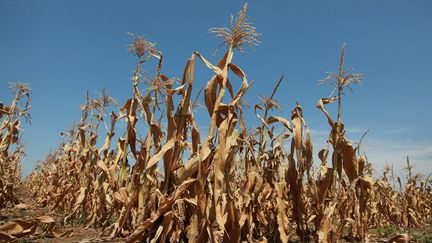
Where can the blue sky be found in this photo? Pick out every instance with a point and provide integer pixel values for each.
(64, 48)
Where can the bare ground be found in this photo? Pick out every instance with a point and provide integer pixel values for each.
(74, 232)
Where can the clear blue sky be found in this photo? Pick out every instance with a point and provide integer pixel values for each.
(64, 48)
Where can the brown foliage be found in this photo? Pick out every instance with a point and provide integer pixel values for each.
(167, 182)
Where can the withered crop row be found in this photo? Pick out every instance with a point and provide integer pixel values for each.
(165, 180)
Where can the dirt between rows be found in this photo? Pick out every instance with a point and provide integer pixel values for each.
(26, 211)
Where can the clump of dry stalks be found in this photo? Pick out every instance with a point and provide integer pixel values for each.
(237, 183)
(11, 148)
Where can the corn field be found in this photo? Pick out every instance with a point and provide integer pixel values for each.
(144, 171)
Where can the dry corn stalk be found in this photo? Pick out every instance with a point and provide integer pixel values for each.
(11, 148)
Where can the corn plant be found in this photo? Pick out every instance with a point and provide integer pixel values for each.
(11, 148)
